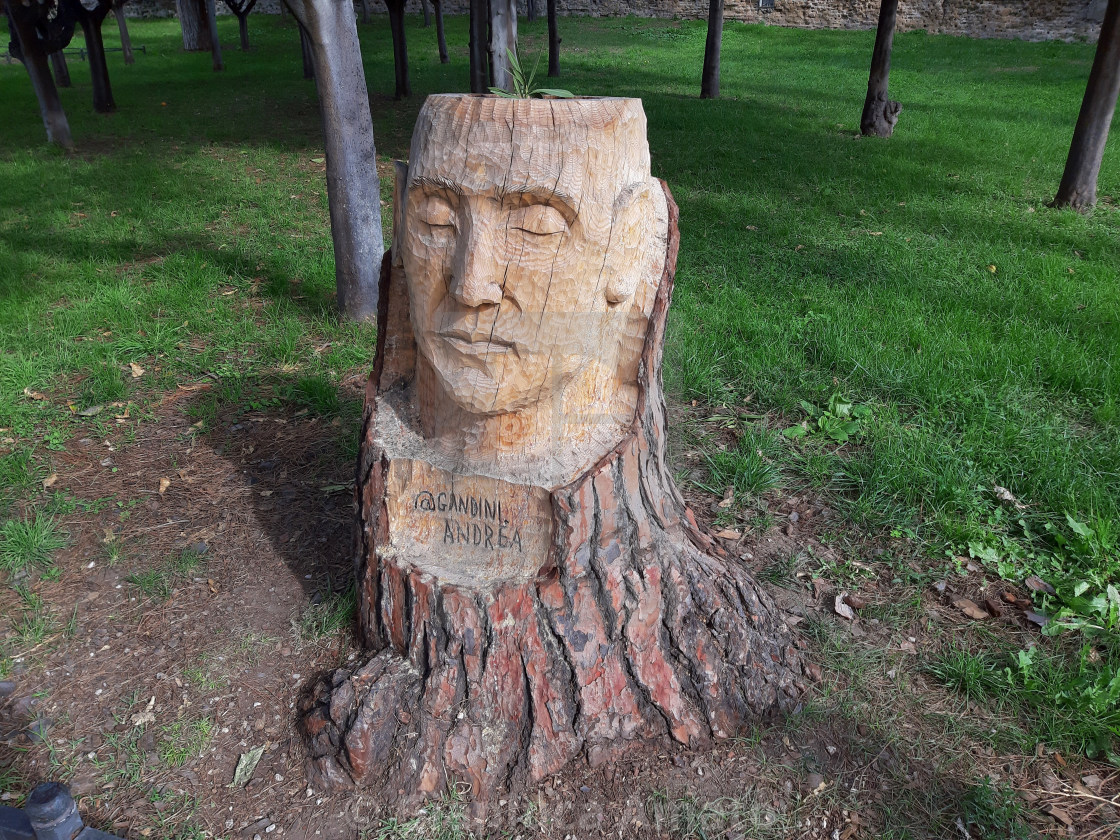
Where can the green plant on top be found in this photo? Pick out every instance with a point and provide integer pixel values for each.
(841, 421)
(522, 82)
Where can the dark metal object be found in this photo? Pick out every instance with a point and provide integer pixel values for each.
(49, 813)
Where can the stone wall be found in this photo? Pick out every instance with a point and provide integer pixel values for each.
(1034, 20)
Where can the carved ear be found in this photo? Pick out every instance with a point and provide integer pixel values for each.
(633, 210)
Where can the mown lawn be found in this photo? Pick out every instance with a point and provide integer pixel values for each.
(922, 280)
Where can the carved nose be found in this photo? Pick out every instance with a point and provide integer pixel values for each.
(472, 278)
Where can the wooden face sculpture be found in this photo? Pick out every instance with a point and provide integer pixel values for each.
(533, 242)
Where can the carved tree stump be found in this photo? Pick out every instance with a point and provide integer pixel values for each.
(531, 583)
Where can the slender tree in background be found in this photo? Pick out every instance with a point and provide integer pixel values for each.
(37, 29)
(1078, 188)
(305, 48)
(365, 11)
(61, 71)
(553, 40)
(90, 19)
(215, 44)
(479, 17)
(709, 82)
(503, 41)
(241, 9)
(441, 39)
(122, 27)
(879, 113)
(427, 13)
(400, 47)
(353, 187)
(531, 10)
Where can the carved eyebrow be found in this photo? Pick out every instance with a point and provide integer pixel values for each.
(437, 182)
(545, 195)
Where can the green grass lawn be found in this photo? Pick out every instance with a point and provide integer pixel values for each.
(922, 278)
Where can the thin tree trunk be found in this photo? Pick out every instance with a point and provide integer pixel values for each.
(879, 113)
(553, 40)
(365, 11)
(400, 48)
(90, 21)
(192, 20)
(215, 43)
(441, 40)
(122, 27)
(353, 186)
(709, 83)
(38, 68)
(480, 81)
(531, 10)
(503, 41)
(427, 13)
(308, 59)
(61, 71)
(1078, 188)
(243, 30)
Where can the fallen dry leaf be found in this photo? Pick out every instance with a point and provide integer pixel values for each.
(50, 480)
(856, 602)
(1060, 815)
(35, 395)
(164, 483)
(213, 586)
(843, 609)
(728, 534)
(970, 609)
(1004, 495)
(814, 671)
(1037, 584)
(140, 718)
(137, 371)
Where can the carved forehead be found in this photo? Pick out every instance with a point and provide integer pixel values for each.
(587, 149)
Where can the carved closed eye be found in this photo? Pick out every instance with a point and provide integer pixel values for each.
(538, 219)
(436, 212)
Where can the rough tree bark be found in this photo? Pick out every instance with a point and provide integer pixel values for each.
(709, 83)
(441, 39)
(193, 23)
(479, 72)
(27, 24)
(305, 49)
(503, 41)
(575, 613)
(400, 48)
(353, 186)
(1078, 188)
(122, 27)
(879, 113)
(61, 71)
(90, 19)
(553, 40)
(241, 9)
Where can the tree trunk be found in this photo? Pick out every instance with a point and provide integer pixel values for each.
(61, 71)
(518, 624)
(400, 48)
(531, 11)
(1078, 188)
(243, 31)
(34, 58)
(308, 60)
(365, 11)
(503, 41)
(879, 113)
(215, 43)
(480, 77)
(353, 186)
(441, 40)
(90, 20)
(192, 20)
(553, 40)
(709, 84)
(122, 27)
(427, 13)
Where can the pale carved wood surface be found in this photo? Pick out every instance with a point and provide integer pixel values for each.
(611, 621)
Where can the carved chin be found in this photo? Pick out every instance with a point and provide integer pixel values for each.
(477, 390)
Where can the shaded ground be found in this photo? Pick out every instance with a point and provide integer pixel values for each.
(199, 613)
